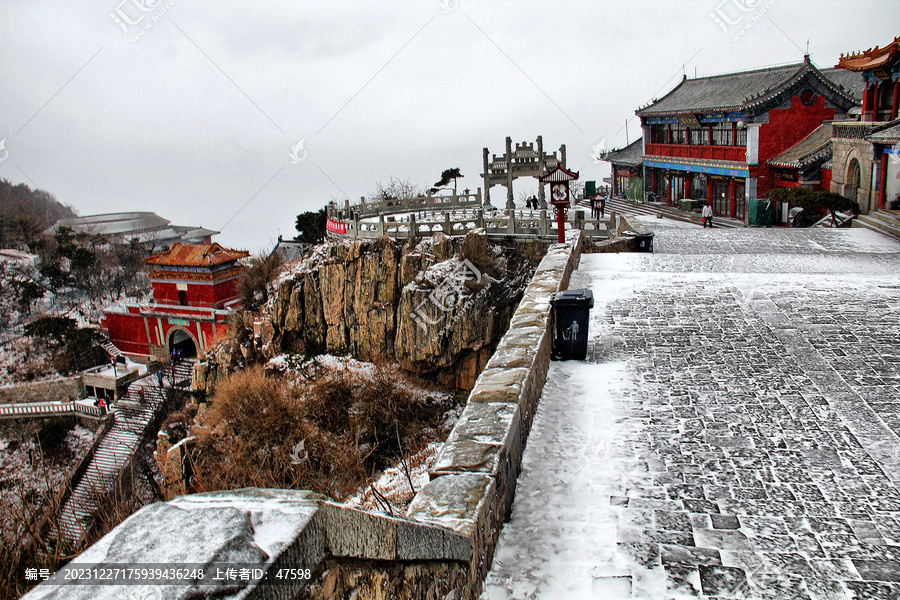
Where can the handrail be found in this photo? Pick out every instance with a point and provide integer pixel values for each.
(389, 206)
(513, 223)
(40, 409)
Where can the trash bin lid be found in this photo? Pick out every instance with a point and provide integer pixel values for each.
(573, 298)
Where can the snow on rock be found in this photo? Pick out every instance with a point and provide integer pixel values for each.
(241, 528)
(393, 486)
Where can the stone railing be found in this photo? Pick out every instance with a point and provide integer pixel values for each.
(35, 410)
(522, 224)
(391, 206)
(474, 477)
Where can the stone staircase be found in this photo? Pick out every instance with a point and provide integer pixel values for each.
(181, 374)
(111, 348)
(655, 209)
(883, 221)
(132, 417)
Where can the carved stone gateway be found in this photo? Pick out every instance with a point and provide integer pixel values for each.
(524, 162)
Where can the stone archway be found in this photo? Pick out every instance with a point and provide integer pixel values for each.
(851, 182)
(182, 340)
(523, 161)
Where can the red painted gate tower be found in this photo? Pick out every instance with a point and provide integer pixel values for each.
(195, 287)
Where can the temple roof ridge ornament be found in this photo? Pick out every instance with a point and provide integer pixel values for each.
(871, 59)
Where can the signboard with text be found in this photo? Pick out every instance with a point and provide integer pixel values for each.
(336, 227)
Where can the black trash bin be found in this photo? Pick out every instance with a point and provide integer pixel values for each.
(644, 241)
(571, 310)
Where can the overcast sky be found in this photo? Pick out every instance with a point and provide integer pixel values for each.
(191, 108)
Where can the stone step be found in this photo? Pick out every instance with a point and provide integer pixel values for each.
(875, 224)
(113, 453)
(656, 209)
(111, 348)
(887, 216)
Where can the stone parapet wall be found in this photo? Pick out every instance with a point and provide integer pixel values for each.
(442, 549)
(70, 388)
(328, 550)
(473, 479)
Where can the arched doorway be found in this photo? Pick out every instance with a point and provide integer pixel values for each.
(851, 182)
(181, 340)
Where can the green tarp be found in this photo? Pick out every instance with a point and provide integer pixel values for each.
(759, 212)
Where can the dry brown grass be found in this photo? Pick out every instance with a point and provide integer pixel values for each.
(329, 435)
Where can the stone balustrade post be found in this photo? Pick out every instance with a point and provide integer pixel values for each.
(545, 226)
(448, 227)
(413, 233)
(511, 222)
(479, 217)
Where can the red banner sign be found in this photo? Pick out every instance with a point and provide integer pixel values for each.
(335, 227)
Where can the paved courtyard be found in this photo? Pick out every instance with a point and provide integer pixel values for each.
(733, 433)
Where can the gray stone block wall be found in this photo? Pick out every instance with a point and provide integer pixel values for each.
(70, 388)
(473, 480)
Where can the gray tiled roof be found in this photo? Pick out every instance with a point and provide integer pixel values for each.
(852, 82)
(816, 146)
(630, 155)
(889, 134)
(732, 91)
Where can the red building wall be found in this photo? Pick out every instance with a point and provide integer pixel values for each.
(826, 181)
(786, 127)
(197, 294)
(128, 332)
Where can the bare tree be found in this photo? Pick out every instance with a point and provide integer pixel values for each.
(395, 189)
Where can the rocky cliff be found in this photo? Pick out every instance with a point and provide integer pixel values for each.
(437, 307)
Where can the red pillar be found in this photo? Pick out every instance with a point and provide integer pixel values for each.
(731, 198)
(896, 104)
(709, 197)
(882, 193)
(560, 225)
(875, 102)
(687, 185)
(614, 191)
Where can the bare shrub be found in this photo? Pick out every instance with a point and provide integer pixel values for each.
(328, 435)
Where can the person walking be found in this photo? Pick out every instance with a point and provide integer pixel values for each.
(707, 215)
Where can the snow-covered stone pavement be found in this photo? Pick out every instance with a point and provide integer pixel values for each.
(733, 433)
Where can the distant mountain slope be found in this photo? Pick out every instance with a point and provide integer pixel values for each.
(24, 213)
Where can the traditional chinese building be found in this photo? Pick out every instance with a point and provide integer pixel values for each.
(805, 164)
(866, 152)
(713, 137)
(626, 164)
(195, 287)
(880, 70)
